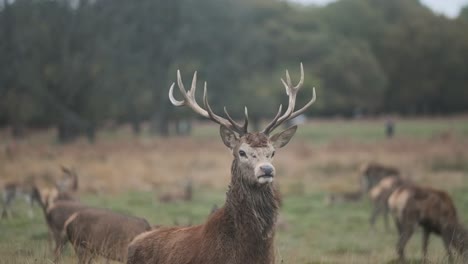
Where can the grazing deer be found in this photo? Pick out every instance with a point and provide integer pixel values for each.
(242, 231)
(100, 232)
(186, 195)
(373, 173)
(434, 211)
(379, 195)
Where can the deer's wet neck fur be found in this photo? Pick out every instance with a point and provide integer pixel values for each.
(252, 208)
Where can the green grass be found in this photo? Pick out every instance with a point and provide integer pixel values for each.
(366, 131)
(316, 233)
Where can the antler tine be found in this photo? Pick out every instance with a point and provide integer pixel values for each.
(216, 118)
(292, 93)
(238, 127)
(189, 97)
(267, 129)
(189, 100)
(173, 100)
(304, 108)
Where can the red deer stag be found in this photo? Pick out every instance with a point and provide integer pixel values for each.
(242, 231)
(434, 211)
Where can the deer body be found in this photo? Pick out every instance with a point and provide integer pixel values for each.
(57, 205)
(242, 231)
(434, 211)
(94, 232)
(56, 216)
(379, 195)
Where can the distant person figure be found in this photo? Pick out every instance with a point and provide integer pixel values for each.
(389, 128)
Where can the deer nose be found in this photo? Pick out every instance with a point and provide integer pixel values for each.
(267, 170)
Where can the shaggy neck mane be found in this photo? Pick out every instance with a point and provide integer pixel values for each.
(251, 209)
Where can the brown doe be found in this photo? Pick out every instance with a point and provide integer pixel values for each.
(55, 219)
(100, 232)
(241, 231)
(434, 211)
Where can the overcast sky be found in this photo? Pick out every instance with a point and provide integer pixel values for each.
(449, 8)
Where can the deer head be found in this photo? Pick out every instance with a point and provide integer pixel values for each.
(69, 180)
(253, 151)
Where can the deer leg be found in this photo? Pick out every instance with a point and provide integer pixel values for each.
(404, 236)
(375, 212)
(83, 256)
(30, 202)
(385, 216)
(8, 198)
(425, 243)
(60, 243)
(447, 241)
(4, 212)
(50, 236)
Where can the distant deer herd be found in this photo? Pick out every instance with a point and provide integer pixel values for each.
(243, 229)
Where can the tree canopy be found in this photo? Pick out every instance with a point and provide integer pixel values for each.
(77, 64)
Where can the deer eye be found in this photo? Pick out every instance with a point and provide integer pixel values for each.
(242, 153)
(273, 154)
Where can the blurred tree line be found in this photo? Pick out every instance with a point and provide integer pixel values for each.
(79, 64)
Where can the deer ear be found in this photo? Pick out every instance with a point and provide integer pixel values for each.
(280, 139)
(229, 138)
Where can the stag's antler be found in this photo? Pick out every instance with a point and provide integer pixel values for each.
(290, 113)
(189, 100)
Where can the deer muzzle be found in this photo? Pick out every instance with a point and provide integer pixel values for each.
(265, 172)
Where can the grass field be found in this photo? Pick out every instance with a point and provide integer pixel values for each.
(127, 174)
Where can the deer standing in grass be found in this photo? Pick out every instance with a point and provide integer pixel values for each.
(242, 231)
(434, 211)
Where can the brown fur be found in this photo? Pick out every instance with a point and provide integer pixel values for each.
(434, 211)
(256, 140)
(102, 232)
(56, 216)
(373, 173)
(379, 195)
(242, 231)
